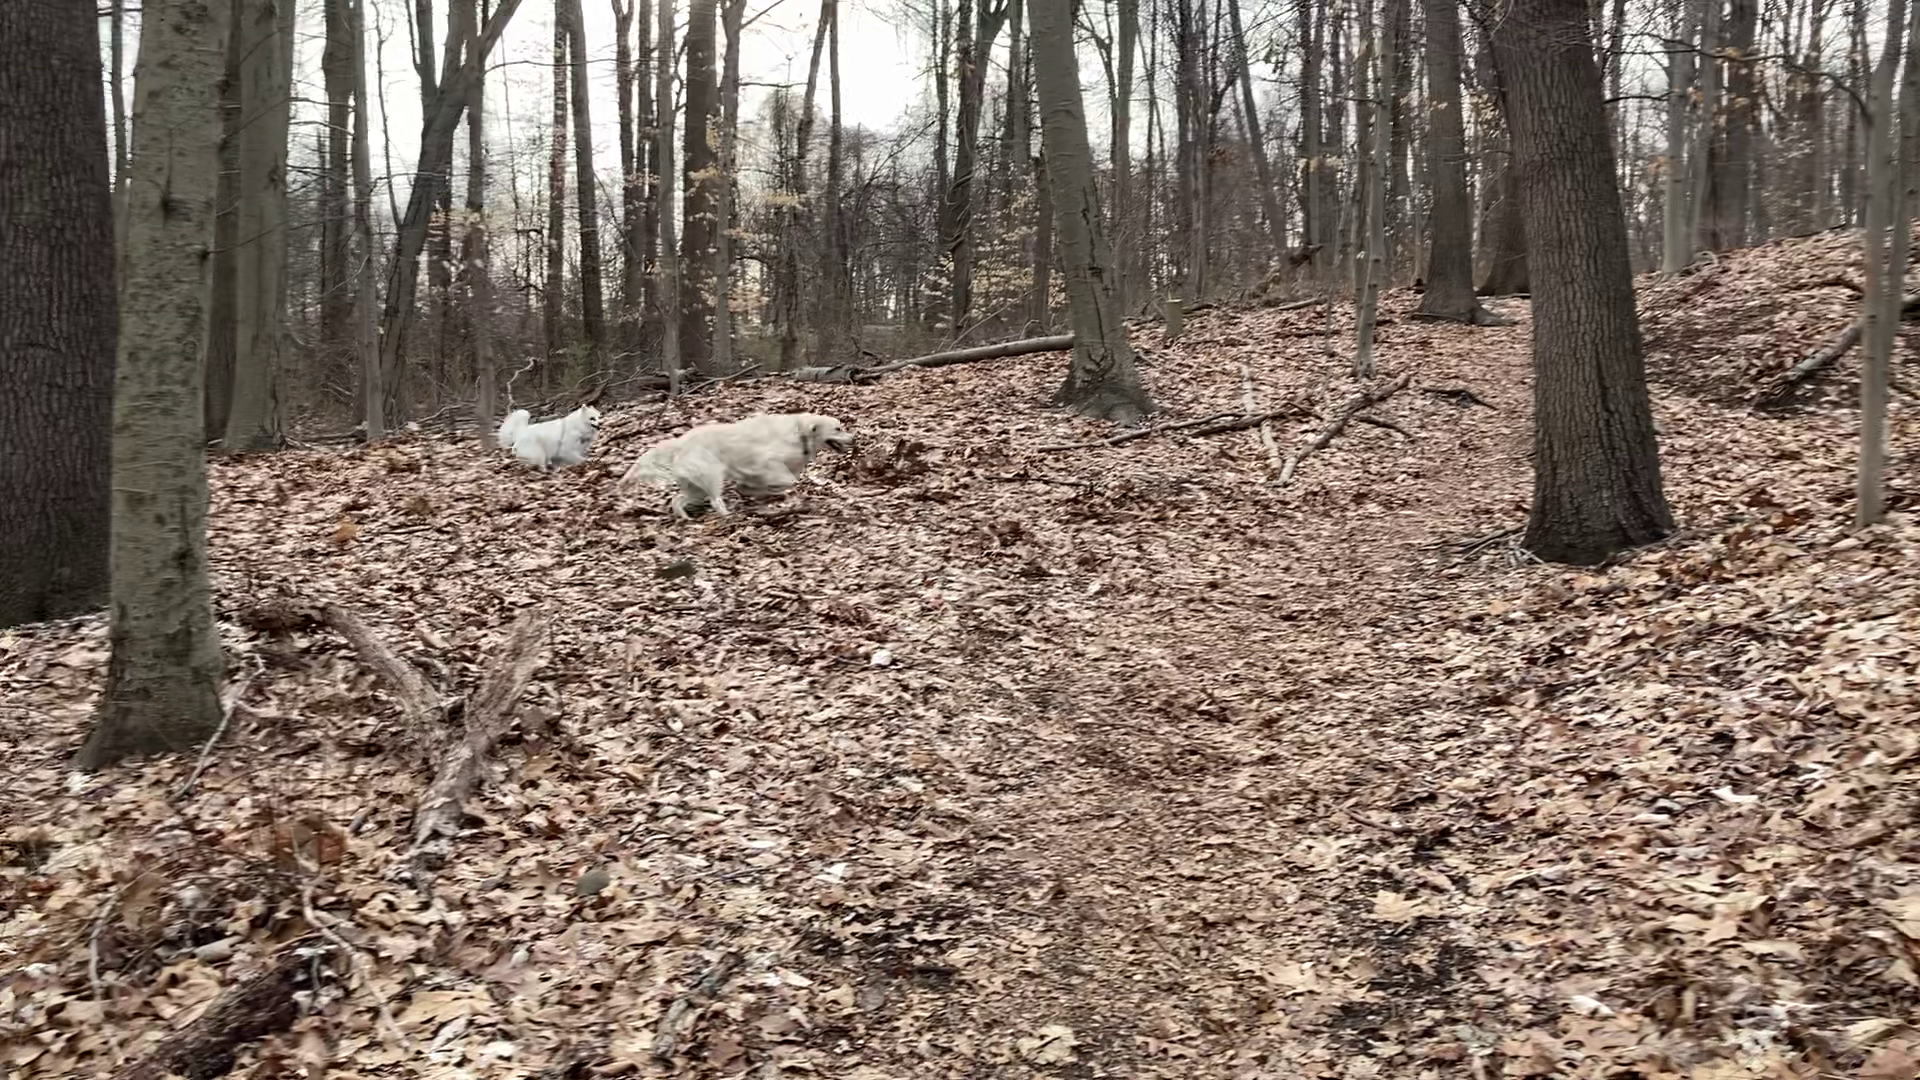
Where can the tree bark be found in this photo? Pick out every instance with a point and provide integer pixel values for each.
(265, 34)
(1126, 39)
(700, 175)
(1263, 170)
(1887, 241)
(1700, 168)
(732, 13)
(1102, 380)
(365, 300)
(1597, 488)
(793, 211)
(163, 677)
(1507, 270)
(975, 46)
(1676, 246)
(58, 314)
(633, 184)
(552, 310)
(593, 312)
(336, 227)
(839, 317)
(1314, 179)
(1449, 292)
(668, 265)
(1729, 203)
(1373, 264)
(223, 320)
(476, 256)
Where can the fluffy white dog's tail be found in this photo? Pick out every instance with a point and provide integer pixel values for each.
(511, 427)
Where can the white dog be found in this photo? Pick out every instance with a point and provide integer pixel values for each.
(551, 443)
(760, 455)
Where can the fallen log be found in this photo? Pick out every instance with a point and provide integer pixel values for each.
(424, 707)
(1022, 347)
(1365, 399)
(1242, 423)
(436, 821)
(1824, 358)
(249, 1010)
(1248, 402)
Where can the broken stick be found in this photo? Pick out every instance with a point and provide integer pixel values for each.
(248, 1010)
(1140, 433)
(1365, 399)
(1252, 406)
(423, 705)
(1023, 347)
(436, 821)
(1824, 358)
(667, 1036)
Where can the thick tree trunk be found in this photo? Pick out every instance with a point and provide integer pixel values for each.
(1372, 263)
(593, 311)
(633, 186)
(648, 117)
(1728, 207)
(1596, 484)
(701, 177)
(265, 33)
(839, 315)
(975, 46)
(1449, 292)
(163, 679)
(1701, 168)
(668, 264)
(1314, 179)
(57, 315)
(1676, 246)
(366, 301)
(1887, 241)
(552, 297)
(1102, 381)
(1126, 230)
(223, 321)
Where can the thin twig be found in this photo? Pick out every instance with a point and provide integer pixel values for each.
(357, 962)
(226, 718)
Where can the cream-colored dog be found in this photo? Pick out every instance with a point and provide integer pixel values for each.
(760, 455)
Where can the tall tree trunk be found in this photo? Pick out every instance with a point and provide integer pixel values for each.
(1373, 263)
(1402, 237)
(669, 260)
(440, 122)
(365, 301)
(633, 187)
(793, 210)
(1250, 109)
(1190, 106)
(1701, 167)
(975, 46)
(593, 312)
(1814, 122)
(1043, 248)
(1728, 206)
(943, 176)
(553, 311)
(476, 256)
(1887, 241)
(223, 321)
(266, 81)
(1507, 240)
(839, 320)
(1102, 380)
(732, 12)
(1676, 247)
(1125, 227)
(1363, 156)
(1449, 292)
(336, 231)
(117, 59)
(654, 170)
(1314, 180)
(1596, 487)
(57, 315)
(701, 177)
(163, 679)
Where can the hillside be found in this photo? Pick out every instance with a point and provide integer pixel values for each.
(1163, 771)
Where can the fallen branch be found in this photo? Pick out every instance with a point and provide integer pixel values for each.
(1365, 399)
(1382, 422)
(1022, 347)
(423, 705)
(1242, 423)
(667, 1036)
(1459, 395)
(1137, 433)
(436, 821)
(226, 720)
(1825, 357)
(1248, 402)
(249, 1010)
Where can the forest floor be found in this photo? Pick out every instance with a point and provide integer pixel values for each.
(1163, 772)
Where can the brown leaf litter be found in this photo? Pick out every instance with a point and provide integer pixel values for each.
(970, 760)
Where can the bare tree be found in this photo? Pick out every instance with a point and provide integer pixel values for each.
(1103, 380)
(1250, 111)
(592, 295)
(1596, 487)
(793, 205)
(1449, 292)
(701, 176)
(163, 678)
(365, 299)
(668, 266)
(475, 255)
(1371, 256)
(1887, 241)
(1676, 247)
(1315, 182)
(635, 163)
(553, 296)
(336, 231)
(265, 34)
(57, 314)
(732, 13)
(974, 45)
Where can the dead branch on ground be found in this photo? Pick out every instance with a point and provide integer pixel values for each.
(1248, 402)
(423, 705)
(1777, 391)
(667, 1036)
(1365, 399)
(1459, 395)
(1022, 347)
(437, 820)
(1137, 433)
(1382, 422)
(1242, 423)
(248, 1010)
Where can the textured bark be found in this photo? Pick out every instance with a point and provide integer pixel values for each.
(1250, 112)
(634, 162)
(1102, 380)
(975, 46)
(1126, 47)
(1676, 247)
(1314, 180)
(1596, 484)
(366, 301)
(593, 311)
(1728, 205)
(551, 296)
(1707, 124)
(336, 229)
(1887, 237)
(163, 678)
(839, 318)
(701, 176)
(1372, 264)
(793, 211)
(1449, 292)
(57, 314)
(265, 33)
(222, 319)
(475, 255)
(732, 13)
(668, 273)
